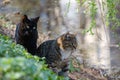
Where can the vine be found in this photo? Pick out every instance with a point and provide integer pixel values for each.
(108, 12)
(111, 13)
(93, 11)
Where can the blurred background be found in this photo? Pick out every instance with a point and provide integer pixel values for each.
(98, 46)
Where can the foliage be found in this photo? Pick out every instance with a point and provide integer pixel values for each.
(10, 49)
(111, 13)
(108, 12)
(25, 69)
(5, 22)
(93, 12)
(17, 64)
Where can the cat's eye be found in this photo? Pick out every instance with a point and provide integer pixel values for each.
(68, 37)
(34, 27)
(28, 27)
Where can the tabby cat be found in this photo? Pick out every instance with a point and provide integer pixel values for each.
(26, 33)
(57, 52)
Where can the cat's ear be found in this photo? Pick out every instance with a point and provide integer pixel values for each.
(75, 33)
(68, 32)
(24, 18)
(35, 19)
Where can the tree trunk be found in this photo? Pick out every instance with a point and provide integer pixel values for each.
(52, 19)
(96, 47)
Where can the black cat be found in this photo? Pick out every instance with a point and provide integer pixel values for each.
(26, 33)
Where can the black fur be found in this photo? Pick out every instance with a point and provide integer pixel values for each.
(26, 33)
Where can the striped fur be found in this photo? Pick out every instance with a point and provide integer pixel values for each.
(58, 51)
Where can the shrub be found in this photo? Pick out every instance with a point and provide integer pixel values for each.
(17, 64)
(21, 68)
